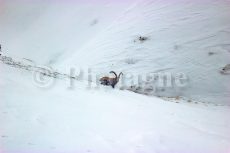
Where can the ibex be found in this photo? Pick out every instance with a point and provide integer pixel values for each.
(110, 81)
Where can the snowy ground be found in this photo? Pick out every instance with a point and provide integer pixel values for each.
(188, 37)
(58, 119)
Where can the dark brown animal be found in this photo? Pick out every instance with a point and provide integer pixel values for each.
(110, 81)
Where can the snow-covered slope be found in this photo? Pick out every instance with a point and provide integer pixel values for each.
(189, 37)
(184, 36)
(45, 30)
(81, 120)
